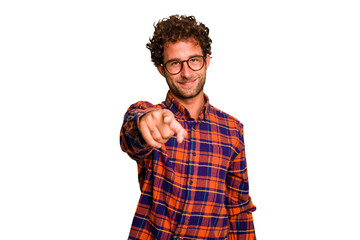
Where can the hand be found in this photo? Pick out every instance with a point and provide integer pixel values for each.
(158, 126)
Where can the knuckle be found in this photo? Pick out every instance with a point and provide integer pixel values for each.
(156, 137)
(168, 134)
(155, 113)
(147, 119)
(154, 116)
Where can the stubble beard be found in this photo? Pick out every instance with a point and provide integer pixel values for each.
(183, 94)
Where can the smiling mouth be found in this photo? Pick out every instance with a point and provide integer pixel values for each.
(188, 83)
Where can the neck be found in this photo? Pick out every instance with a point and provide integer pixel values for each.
(193, 105)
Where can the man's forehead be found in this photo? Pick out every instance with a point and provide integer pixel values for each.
(182, 49)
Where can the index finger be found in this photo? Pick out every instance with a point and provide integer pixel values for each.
(181, 133)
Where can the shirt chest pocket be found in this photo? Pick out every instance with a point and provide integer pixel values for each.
(213, 161)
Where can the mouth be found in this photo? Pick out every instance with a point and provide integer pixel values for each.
(188, 83)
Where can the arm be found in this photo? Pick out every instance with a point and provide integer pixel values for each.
(238, 201)
(131, 140)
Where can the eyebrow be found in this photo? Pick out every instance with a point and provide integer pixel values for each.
(178, 59)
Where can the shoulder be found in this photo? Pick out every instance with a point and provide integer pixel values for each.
(228, 126)
(224, 118)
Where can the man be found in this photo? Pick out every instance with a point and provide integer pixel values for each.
(190, 155)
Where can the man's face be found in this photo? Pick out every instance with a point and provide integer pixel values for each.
(187, 83)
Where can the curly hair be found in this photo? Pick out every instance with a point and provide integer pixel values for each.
(177, 28)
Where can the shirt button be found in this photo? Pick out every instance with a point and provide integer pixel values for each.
(191, 182)
(194, 153)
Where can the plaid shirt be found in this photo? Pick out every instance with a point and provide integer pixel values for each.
(194, 190)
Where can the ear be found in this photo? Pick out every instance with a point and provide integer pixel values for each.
(161, 70)
(207, 60)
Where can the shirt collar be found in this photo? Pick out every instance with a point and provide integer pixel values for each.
(180, 111)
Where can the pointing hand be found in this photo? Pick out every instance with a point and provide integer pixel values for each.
(158, 126)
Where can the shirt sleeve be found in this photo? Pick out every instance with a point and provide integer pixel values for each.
(238, 201)
(131, 140)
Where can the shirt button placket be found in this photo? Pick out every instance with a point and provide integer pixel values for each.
(193, 129)
(192, 154)
(189, 182)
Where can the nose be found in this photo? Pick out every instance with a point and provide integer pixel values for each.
(185, 71)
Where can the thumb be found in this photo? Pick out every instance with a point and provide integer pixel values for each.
(168, 117)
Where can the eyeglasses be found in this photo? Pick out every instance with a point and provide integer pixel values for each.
(195, 63)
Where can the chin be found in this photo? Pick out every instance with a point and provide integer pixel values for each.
(188, 95)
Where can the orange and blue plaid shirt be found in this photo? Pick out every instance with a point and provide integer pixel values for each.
(194, 190)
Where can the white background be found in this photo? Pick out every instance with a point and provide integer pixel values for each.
(288, 70)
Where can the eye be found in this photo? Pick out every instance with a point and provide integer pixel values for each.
(174, 63)
(194, 60)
